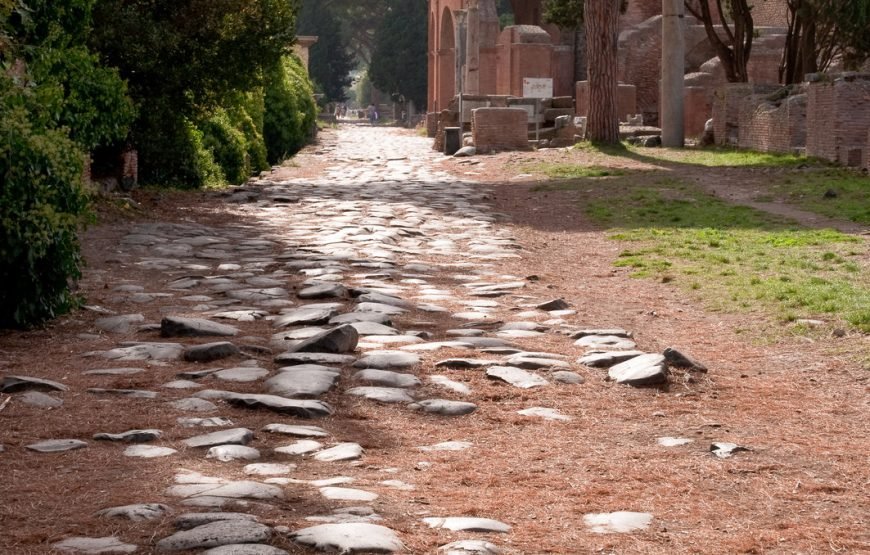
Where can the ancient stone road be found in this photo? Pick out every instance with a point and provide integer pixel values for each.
(350, 270)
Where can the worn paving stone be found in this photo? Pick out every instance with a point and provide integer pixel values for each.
(381, 394)
(179, 326)
(618, 522)
(467, 363)
(302, 383)
(124, 323)
(142, 351)
(452, 385)
(355, 317)
(470, 547)
(516, 377)
(12, 384)
(40, 400)
(301, 447)
(212, 422)
(605, 342)
(347, 494)
(448, 446)
(129, 393)
(353, 537)
(268, 469)
(131, 436)
(467, 524)
(545, 413)
(215, 534)
(148, 451)
(386, 378)
(113, 372)
(288, 359)
(386, 360)
(340, 340)
(340, 452)
(137, 513)
(296, 430)
(188, 521)
(57, 445)
(227, 453)
(241, 374)
(231, 490)
(642, 370)
(535, 363)
(305, 316)
(444, 407)
(673, 441)
(209, 352)
(192, 404)
(568, 378)
(299, 408)
(323, 291)
(106, 545)
(606, 359)
(234, 436)
(245, 549)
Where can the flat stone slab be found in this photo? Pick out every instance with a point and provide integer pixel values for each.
(142, 351)
(113, 372)
(302, 383)
(268, 469)
(569, 378)
(347, 494)
(723, 450)
(245, 549)
(148, 451)
(187, 521)
(437, 345)
(350, 537)
(296, 430)
(470, 547)
(618, 522)
(452, 385)
(323, 291)
(606, 359)
(381, 394)
(354, 317)
(57, 445)
(673, 441)
(212, 422)
(381, 308)
(234, 436)
(516, 377)
(241, 375)
(179, 326)
(210, 351)
(299, 408)
(131, 436)
(467, 363)
(375, 297)
(342, 339)
(12, 384)
(314, 358)
(131, 393)
(215, 534)
(448, 446)
(545, 413)
(387, 378)
(136, 513)
(467, 524)
(340, 452)
(105, 545)
(40, 400)
(301, 447)
(248, 315)
(642, 370)
(373, 328)
(227, 453)
(304, 316)
(536, 363)
(444, 407)
(618, 332)
(123, 323)
(192, 404)
(230, 490)
(385, 360)
(605, 341)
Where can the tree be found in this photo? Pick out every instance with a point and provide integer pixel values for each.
(820, 31)
(330, 61)
(735, 19)
(399, 58)
(601, 21)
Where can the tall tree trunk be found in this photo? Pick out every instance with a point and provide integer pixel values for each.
(602, 35)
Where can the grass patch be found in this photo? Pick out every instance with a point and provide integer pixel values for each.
(737, 258)
(556, 170)
(812, 192)
(726, 157)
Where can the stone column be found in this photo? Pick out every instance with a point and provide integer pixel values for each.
(472, 63)
(461, 49)
(673, 72)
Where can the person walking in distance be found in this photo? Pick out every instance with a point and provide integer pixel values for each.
(371, 112)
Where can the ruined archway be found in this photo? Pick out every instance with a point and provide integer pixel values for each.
(446, 86)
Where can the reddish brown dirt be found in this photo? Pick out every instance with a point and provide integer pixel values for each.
(799, 403)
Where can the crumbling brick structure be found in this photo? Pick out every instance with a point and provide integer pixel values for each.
(500, 129)
(775, 123)
(838, 116)
(727, 101)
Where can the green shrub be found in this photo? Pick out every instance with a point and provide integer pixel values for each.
(290, 113)
(246, 114)
(227, 145)
(42, 202)
(174, 153)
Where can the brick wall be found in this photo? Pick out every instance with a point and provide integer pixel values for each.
(495, 129)
(626, 101)
(697, 109)
(867, 152)
(838, 118)
(432, 124)
(773, 126)
(727, 100)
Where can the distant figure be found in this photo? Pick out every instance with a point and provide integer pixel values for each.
(372, 113)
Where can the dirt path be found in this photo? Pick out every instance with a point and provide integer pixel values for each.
(430, 407)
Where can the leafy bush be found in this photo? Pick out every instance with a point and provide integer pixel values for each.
(42, 202)
(227, 145)
(290, 113)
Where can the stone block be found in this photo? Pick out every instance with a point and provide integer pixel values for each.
(500, 129)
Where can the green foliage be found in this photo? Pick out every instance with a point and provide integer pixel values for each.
(330, 62)
(399, 57)
(290, 109)
(41, 204)
(808, 190)
(227, 145)
(569, 14)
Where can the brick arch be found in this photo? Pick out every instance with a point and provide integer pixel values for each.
(446, 60)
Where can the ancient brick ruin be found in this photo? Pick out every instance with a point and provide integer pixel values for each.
(468, 53)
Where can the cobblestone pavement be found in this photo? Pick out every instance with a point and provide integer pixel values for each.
(329, 292)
